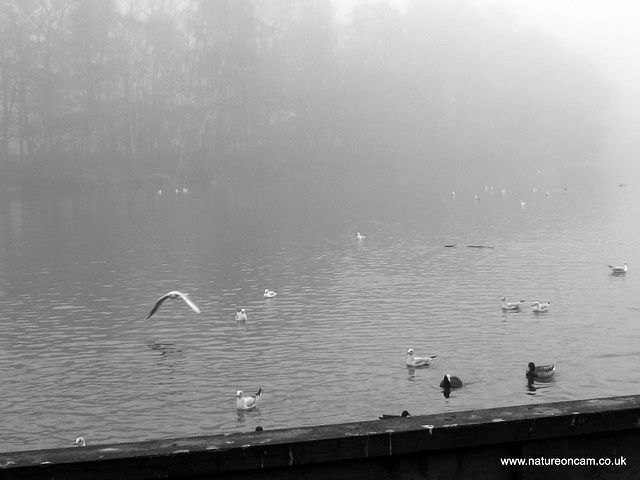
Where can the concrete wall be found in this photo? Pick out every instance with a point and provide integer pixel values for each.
(457, 445)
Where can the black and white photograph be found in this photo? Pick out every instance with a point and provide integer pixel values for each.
(319, 239)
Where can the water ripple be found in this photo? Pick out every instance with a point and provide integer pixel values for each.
(77, 355)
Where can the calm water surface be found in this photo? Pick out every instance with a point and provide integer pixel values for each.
(80, 270)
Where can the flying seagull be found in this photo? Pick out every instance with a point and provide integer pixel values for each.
(173, 295)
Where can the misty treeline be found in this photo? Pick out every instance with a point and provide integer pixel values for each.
(240, 88)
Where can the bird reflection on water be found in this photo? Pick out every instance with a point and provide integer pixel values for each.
(169, 354)
(531, 388)
(242, 325)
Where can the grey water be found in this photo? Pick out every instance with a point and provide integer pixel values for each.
(80, 270)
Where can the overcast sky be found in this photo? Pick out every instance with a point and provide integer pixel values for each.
(606, 31)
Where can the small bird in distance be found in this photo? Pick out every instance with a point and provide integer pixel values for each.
(618, 269)
(241, 316)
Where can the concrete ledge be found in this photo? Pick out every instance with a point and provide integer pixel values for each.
(452, 445)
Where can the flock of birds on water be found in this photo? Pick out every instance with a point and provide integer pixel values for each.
(243, 402)
(249, 402)
(534, 372)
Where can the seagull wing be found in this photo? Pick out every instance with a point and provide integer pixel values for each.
(155, 308)
(188, 301)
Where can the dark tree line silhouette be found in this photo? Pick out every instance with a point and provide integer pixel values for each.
(113, 89)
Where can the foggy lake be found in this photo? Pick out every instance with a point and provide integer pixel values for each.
(484, 149)
(80, 270)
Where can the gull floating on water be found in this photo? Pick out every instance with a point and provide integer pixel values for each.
(360, 236)
(511, 306)
(540, 307)
(241, 316)
(540, 371)
(450, 382)
(269, 293)
(173, 295)
(247, 403)
(622, 269)
(413, 361)
(80, 442)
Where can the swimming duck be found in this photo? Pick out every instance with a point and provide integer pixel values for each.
(360, 236)
(173, 295)
(269, 293)
(512, 306)
(413, 361)
(540, 371)
(450, 382)
(622, 269)
(247, 403)
(404, 414)
(241, 316)
(540, 307)
(80, 442)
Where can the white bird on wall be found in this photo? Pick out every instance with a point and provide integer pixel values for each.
(80, 442)
(173, 295)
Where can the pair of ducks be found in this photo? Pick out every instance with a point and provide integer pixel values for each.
(241, 315)
(538, 307)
